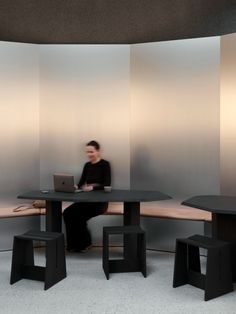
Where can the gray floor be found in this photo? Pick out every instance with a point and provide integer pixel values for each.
(85, 290)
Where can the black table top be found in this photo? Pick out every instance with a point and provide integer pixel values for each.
(219, 204)
(97, 196)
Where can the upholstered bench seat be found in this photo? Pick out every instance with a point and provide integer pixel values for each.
(169, 209)
(8, 211)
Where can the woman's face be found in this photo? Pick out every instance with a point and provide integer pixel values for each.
(92, 153)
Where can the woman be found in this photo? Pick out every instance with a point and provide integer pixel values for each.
(96, 174)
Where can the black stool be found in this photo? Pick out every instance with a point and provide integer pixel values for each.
(187, 269)
(131, 262)
(23, 258)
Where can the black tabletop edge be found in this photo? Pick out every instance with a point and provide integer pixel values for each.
(197, 202)
(186, 203)
(50, 196)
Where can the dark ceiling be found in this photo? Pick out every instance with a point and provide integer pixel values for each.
(113, 21)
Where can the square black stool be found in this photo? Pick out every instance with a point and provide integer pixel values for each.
(23, 258)
(131, 262)
(187, 270)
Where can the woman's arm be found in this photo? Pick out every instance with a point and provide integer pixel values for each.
(83, 177)
(106, 177)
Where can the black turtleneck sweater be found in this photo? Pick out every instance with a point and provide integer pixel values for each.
(98, 174)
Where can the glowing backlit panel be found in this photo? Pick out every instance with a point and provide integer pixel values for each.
(175, 103)
(84, 95)
(19, 118)
(228, 114)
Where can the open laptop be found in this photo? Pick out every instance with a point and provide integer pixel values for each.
(64, 183)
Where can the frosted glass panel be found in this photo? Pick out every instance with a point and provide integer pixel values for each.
(84, 95)
(175, 116)
(19, 114)
(228, 114)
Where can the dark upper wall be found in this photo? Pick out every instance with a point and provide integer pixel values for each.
(114, 21)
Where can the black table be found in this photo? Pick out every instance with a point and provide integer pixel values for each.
(223, 209)
(130, 198)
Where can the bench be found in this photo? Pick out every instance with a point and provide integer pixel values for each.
(162, 211)
(168, 209)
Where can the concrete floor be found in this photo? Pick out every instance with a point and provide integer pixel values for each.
(85, 290)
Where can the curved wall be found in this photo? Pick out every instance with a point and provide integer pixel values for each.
(154, 107)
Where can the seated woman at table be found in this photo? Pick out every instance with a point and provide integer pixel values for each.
(96, 174)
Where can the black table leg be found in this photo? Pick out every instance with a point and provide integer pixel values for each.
(131, 217)
(53, 216)
(224, 228)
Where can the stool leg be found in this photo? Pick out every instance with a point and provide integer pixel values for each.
(142, 253)
(105, 257)
(51, 264)
(55, 262)
(16, 274)
(61, 259)
(194, 258)
(226, 275)
(180, 268)
(217, 268)
(23, 254)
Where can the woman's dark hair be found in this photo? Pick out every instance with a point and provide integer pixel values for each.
(94, 144)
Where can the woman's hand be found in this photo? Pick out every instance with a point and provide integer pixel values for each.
(87, 188)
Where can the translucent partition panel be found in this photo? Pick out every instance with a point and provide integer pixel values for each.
(84, 95)
(228, 114)
(175, 101)
(19, 114)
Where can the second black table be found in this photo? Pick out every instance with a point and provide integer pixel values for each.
(223, 209)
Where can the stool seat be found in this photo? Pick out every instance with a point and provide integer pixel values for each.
(187, 270)
(23, 258)
(204, 242)
(38, 235)
(134, 258)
